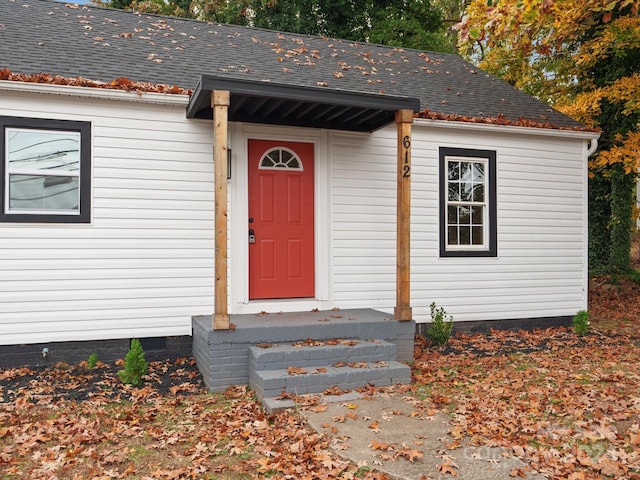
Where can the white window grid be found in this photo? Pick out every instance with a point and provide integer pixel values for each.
(484, 204)
(283, 159)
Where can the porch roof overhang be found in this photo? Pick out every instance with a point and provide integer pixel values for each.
(296, 105)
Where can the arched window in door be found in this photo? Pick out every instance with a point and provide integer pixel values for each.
(280, 158)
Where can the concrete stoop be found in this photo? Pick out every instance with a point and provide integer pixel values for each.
(301, 369)
(223, 355)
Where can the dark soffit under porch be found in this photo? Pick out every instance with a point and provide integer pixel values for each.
(300, 106)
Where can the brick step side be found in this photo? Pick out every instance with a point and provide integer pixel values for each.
(283, 356)
(271, 383)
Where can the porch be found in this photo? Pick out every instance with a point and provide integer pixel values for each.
(224, 345)
(228, 357)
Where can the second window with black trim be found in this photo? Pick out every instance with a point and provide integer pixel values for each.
(467, 203)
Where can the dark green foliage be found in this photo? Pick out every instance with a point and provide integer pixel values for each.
(234, 12)
(581, 323)
(611, 191)
(441, 326)
(416, 24)
(176, 8)
(599, 215)
(411, 24)
(121, 4)
(634, 276)
(622, 201)
(135, 366)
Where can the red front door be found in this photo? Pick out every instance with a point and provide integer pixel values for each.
(281, 239)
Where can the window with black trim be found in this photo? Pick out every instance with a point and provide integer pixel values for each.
(46, 170)
(467, 203)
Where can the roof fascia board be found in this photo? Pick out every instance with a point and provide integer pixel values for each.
(92, 92)
(546, 132)
(320, 95)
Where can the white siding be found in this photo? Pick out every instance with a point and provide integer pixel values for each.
(144, 265)
(364, 215)
(540, 269)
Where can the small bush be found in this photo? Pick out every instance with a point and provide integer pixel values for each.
(441, 326)
(634, 276)
(135, 366)
(92, 361)
(581, 323)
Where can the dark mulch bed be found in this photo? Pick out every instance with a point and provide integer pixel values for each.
(78, 382)
(510, 342)
(65, 382)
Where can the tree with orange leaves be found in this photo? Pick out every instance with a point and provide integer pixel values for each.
(583, 57)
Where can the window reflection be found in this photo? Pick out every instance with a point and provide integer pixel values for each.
(466, 210)
(43, 170)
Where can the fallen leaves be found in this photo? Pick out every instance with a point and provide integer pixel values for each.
(499, 120)
(382, 446)
(410, 454)
(121, 83)
(310, 342)
(567, 405)
(75, 422)
(296, 371)
(448, 468)
(334, 390)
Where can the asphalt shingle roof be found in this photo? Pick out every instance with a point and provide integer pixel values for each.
(42, 36)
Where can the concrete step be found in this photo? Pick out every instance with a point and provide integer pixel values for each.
(319, 353)
(318, 378)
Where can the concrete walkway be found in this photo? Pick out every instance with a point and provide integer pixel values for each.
(404, 438)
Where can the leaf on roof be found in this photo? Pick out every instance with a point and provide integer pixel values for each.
(499, 120)
(121, 83)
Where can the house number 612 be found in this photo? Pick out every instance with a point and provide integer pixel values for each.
(406, 168)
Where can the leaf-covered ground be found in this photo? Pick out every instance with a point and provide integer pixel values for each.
(567, 405)
(72, 422)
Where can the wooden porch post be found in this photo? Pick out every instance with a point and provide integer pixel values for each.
(220, 106)
(402, 311)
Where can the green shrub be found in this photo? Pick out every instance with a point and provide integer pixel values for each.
(634, 276)
(135, 366)
(441, 326)
(92, 361)
(581, 323)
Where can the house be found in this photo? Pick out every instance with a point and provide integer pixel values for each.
(163, 177)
